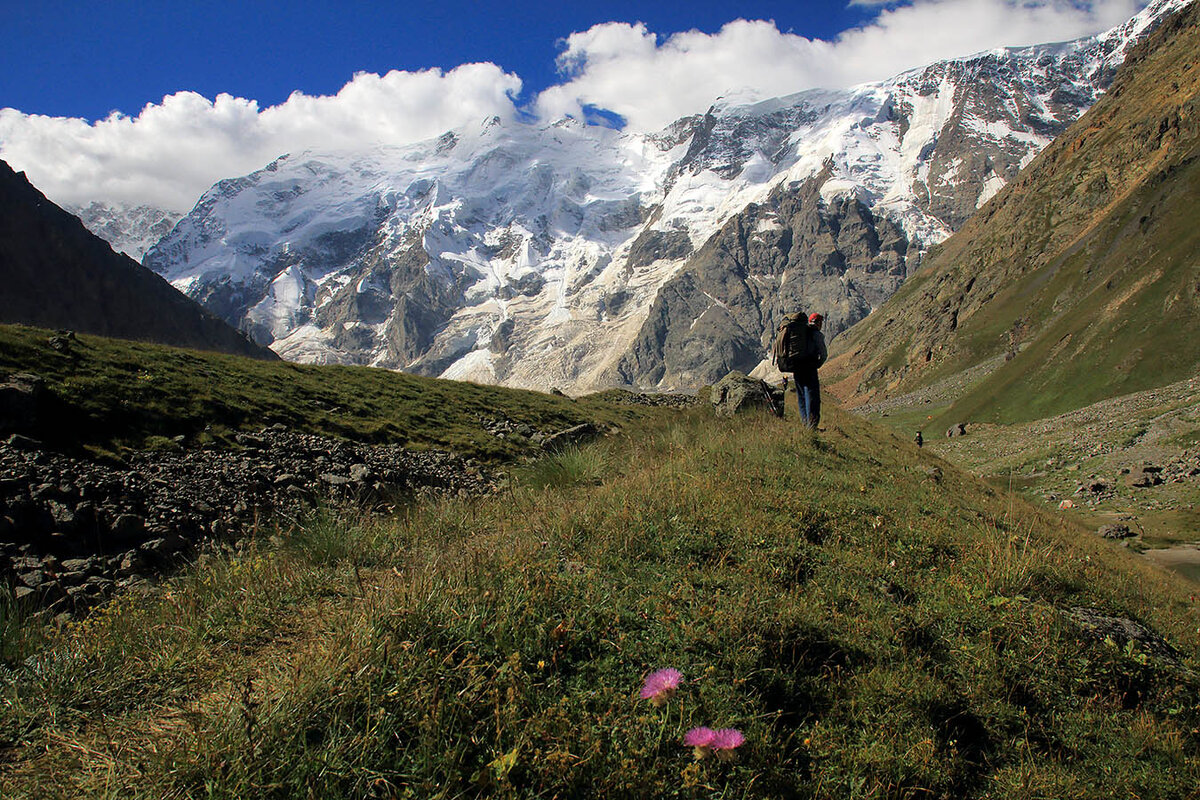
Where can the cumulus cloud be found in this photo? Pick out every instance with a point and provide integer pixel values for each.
(171, 152)
(652, 82)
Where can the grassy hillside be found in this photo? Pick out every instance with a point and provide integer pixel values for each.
(1084, 456)
(1133, 324)
(108, 394)
(876, 624)
(1078, 279)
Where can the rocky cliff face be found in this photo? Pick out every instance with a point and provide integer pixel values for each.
(56, 274)
(576, 256)
(793, 251)
(1077, 282)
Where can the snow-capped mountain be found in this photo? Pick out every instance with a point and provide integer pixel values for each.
(576, 256)
(129, 229)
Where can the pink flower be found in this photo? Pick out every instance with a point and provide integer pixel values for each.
(700, 740)
(725, 741)
(660, 685)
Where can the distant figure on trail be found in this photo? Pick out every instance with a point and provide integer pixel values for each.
(800, 349)
(919, 439)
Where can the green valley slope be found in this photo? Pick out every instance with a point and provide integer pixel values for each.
(877, 623)
(108, 394)
(1079, 281)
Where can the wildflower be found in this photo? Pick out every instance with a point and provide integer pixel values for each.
(725, 741)
(700, 740)
(660, 686)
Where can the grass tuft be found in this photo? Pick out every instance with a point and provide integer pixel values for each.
(573, 466)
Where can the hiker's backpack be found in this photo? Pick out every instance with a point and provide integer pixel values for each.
(794, 346)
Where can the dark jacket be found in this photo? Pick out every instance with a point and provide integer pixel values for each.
(822, 353)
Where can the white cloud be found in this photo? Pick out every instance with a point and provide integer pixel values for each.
(171, 152)
(627, 69)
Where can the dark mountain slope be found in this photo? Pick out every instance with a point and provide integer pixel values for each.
(1080, 280)
(55, 274)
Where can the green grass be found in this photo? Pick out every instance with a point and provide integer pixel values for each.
(109, 394)
(571, 467)
(874, 630)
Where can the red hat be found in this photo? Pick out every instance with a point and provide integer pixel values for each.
(814, 318)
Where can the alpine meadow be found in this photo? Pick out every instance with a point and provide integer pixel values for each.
(464, 467)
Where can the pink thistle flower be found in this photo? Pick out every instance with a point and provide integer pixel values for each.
(700, 740)
(725, 741)
(660, 686)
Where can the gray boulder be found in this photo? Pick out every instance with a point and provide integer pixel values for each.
(737, 392)
(1116, 531)
(21, 396)
(574, 435)
(1121, 631)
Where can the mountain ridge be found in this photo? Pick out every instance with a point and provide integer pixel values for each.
(1080, 274)
(56, 274)
(494, 254)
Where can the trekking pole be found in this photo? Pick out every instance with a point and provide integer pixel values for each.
(775, 409)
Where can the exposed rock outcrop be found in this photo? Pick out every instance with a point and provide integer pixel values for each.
(1123, 631)
(72, 530)
(795, 251)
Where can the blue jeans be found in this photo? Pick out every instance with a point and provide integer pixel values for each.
(808, 397)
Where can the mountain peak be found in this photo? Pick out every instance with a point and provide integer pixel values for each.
(525, 254)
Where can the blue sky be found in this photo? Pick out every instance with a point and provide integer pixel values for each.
(214, 89)
(85, 59)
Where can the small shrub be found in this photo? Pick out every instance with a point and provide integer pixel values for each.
(162, 444)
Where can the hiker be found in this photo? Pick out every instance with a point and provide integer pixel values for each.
(808, 385)
(800, 349)
(919, 439)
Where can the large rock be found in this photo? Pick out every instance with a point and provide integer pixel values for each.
(738, 392)
(1143, 476)
(1121, 630)
(577, 434)
(20, 398)
(1115, 531)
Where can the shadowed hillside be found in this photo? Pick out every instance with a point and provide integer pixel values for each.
(108, 394)
(56, 274)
